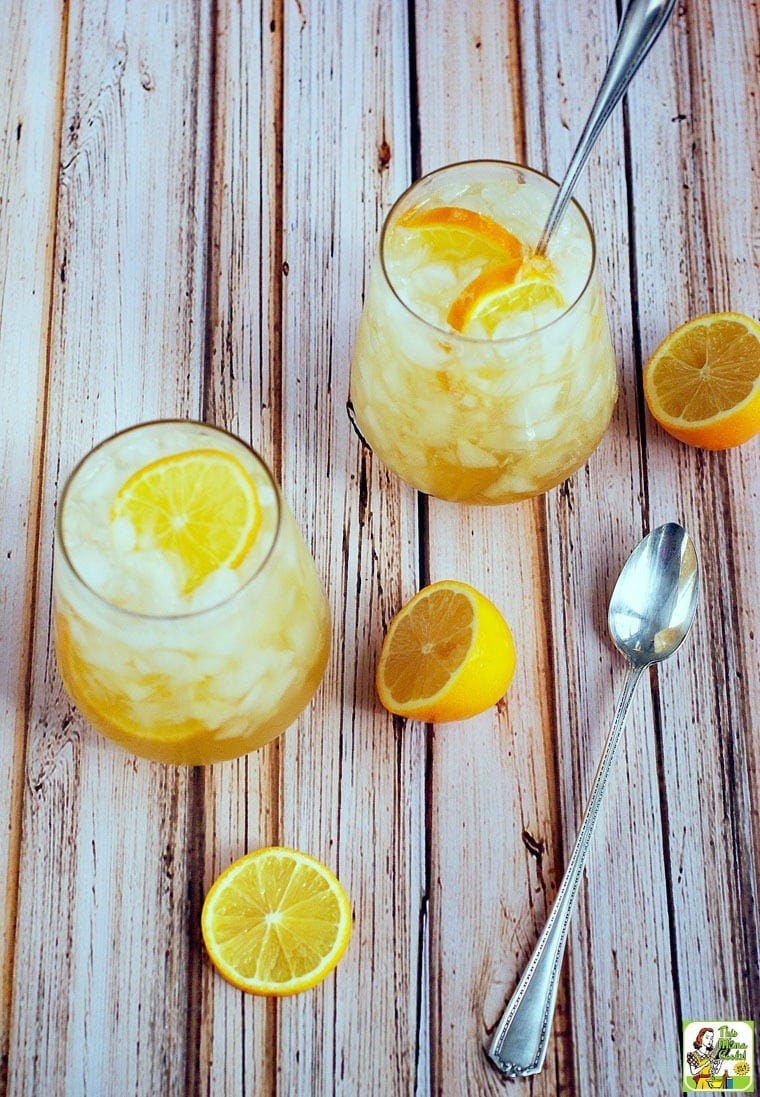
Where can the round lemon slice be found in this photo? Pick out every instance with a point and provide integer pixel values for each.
(199, 507)
(276, 922)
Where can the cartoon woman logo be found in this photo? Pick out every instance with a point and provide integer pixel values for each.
(704, 1063)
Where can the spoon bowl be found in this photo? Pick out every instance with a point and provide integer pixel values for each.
(651, 611)
(653, 603)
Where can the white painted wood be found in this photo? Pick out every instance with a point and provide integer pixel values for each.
(701, 149)
(203, 251)
(495, 858)
(592, 525)
(30, 78)
(240, 801)
(101, 979)
(352, 780)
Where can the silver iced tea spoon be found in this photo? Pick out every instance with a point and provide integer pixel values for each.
(639, 28)
(650, 613)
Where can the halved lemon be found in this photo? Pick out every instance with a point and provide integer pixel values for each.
(276, 922)
(199, 507)
(494, 295)
(448, 655)
(702, 383)
(456, 231)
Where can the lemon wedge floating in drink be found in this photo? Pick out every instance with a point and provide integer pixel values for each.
(455, 231)
(276, 922)
(448, 655)
(199, 507)
(512, 280)
(494, 295)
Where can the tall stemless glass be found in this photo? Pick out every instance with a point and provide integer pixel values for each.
(472, 388)
(184, 678)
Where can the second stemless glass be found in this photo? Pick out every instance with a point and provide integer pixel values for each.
(184, 687)
(482, 420)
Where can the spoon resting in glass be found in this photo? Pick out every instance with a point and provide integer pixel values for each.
(650, 613)
(639, 29)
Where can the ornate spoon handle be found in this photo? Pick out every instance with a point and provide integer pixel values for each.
(519, 1042)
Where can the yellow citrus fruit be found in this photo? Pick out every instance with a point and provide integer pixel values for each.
(200, 507)
(456, 231)
(702, 384)
(276, 922)
(494, 295)
(448, 655)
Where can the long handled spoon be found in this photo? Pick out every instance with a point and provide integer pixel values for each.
(650, 613)
(639, 29)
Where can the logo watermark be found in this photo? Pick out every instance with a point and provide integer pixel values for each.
(718, 1056)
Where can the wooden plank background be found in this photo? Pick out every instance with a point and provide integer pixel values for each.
(190, 198)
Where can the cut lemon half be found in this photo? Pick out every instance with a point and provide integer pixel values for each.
(199, 507)
(702, 384)
(276, 922)
(448, 655)
(494, 295)
(455, 232)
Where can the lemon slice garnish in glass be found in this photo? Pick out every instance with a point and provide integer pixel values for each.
(199, 507)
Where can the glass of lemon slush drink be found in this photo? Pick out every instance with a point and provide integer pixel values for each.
(190, 623)
(482, 372)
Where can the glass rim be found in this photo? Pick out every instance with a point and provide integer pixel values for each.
(477, 340)
(185, 615)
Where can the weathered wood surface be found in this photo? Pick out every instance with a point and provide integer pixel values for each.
(189, 203)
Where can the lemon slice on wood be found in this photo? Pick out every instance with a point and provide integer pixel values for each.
(276, 922)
